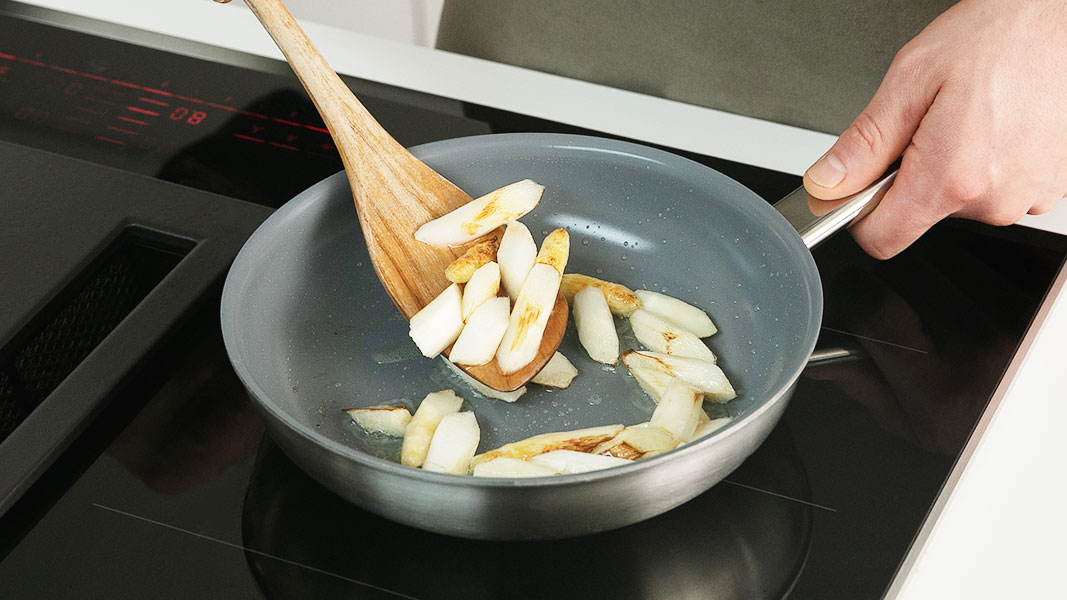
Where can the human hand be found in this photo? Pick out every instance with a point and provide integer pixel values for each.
(977, 105)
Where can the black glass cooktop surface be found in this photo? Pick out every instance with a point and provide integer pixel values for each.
(176, 492)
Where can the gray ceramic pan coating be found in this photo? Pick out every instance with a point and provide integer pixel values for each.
(310, 331)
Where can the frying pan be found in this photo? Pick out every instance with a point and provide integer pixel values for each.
(310, 331)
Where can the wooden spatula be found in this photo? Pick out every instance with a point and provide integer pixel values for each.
(394, 193)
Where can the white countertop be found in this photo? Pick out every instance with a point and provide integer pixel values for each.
(998, 529)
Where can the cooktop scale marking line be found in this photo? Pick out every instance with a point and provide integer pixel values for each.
(151, 101)
(142, 111)
(247, 549)
(110, 140)
(783, 496)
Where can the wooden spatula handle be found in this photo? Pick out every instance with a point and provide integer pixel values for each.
(394, 192)
(351, 125)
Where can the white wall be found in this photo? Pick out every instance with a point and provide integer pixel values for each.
(408, 21)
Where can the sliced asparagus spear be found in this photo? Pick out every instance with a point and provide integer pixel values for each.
(621, 300)
(637, 441)
(557, 373)
(660, 335)
(534, 304)
(512, 467)
(686, 315)
(453, 444)
(481, 335)
(482, 286)
(711, 426)
(390, 420)
(481, 215)
(581, 440)
(703, 376)
(481, 252)
(439, 323)
(678, 412)
(651, 377)
(569, 461)
(596, 326)
(419, 432)
(516, 256)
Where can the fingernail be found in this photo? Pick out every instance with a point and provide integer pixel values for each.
(827, 172)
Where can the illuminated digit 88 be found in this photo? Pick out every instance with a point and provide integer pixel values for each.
(179, 114)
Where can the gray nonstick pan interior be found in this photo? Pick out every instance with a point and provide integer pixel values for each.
(310, 330)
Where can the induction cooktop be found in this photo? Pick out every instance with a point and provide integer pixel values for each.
(134, 466)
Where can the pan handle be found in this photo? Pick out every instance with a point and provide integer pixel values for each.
(815, 220)
(836, 354)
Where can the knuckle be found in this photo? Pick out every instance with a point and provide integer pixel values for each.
(976, 193)
(1039, 209)
(1003, 215)
(866, 134)
(875, 240)
(878, 249)
(967, 187)
(909, 62)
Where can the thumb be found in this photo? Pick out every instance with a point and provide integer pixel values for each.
(877, 137)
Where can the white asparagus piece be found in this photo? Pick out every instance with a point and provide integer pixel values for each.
(516, 256)
(652, 379)
(621, 300)
(596, 326)
(477, 254)
(638, 441)
(685, 315)
(702, 418)
(482, 334)
(482, 286)
(534, 305)
(483, 389)
(660, 335)
(557, 373)
(439, 323)
(678, 411)
(711, 426)
(526, 325)
(434, 407)
(705, 377)
(512, 467)
(390, 420)
(567, 462)
(555, 250)
(481, 215)
(581, 440)
(453, 444)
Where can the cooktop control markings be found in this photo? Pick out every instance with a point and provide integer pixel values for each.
(151, 105)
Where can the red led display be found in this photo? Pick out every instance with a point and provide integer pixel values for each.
(152, 105)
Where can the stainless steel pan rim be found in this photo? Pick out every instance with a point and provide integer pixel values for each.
(774, 222)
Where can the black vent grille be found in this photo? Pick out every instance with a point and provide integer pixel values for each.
(69, 329)
(10, 410)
